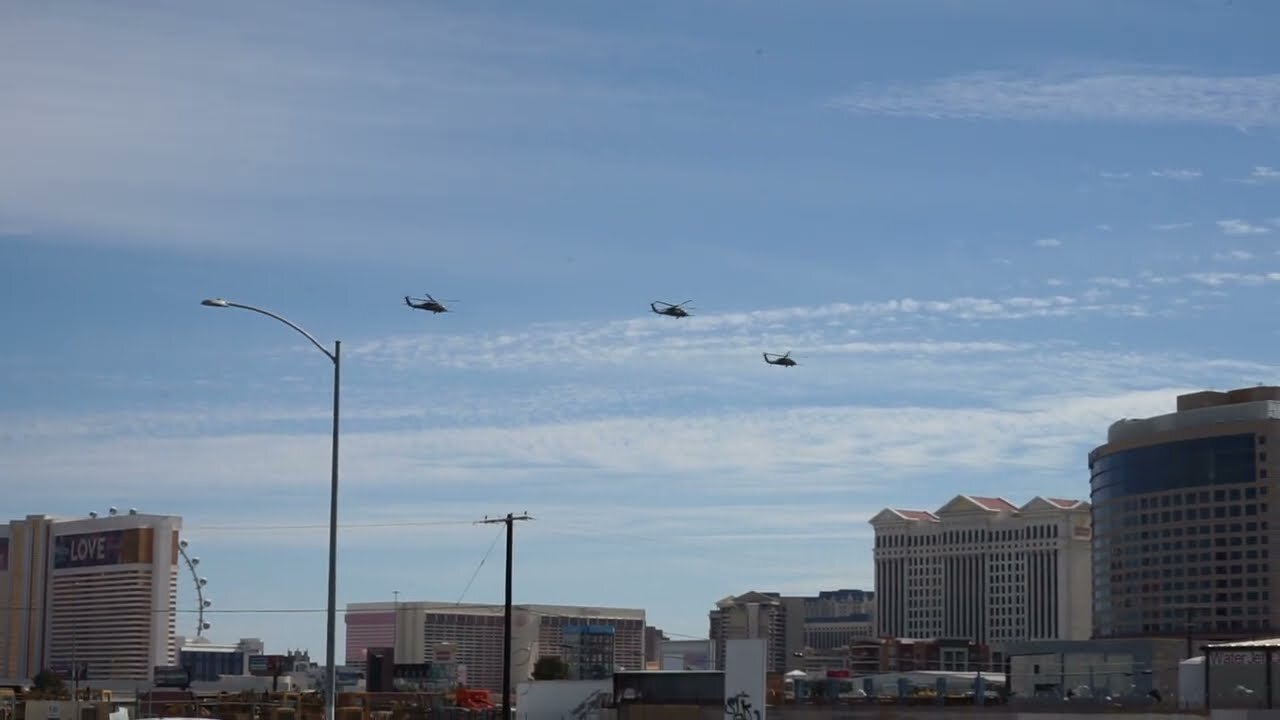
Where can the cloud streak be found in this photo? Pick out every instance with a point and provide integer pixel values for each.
(1260, 175)
(730, 334)
(1182, 174)
(730, 453)
(1237, 227)
(1163, 98)
(301, 112)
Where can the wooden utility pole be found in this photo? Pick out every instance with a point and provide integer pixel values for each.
(510, 522)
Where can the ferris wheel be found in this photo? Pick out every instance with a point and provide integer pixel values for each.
(202, 602)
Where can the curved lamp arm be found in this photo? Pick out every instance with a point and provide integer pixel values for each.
(330, 643)
(219, 302)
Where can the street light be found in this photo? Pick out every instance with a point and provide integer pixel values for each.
(331, 614)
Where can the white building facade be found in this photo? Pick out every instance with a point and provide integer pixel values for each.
(838, 632)
(986, 570)
(112, 595)
(474, 632)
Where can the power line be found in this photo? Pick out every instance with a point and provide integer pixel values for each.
(682, 636)
(611, 534)
(434, 607)
(484, 559)
(325, 526)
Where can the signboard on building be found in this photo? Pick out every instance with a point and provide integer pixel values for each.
(88, 549)
(269, 665)
(172, 676)
(4, 554)
(744, 679)
(412, 677)
(1241, 657)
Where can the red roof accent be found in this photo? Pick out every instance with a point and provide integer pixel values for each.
(917, 515)
(994, 504)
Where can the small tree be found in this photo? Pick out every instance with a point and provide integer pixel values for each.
(47, 682)
(551, 667)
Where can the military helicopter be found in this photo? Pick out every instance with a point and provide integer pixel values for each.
(784, 360)
(670, 310)
(429, 304)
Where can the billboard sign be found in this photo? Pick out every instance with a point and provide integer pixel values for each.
(268, 665)
(88, 549)
(412, 677)
(744, 679)
(1241, 657)
(687, 655)
(4, 554)
(172, 676)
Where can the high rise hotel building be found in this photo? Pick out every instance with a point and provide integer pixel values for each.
(99, 592)
(1183, 521)
(984, 569)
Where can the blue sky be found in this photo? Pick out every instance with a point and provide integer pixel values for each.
(987, 229)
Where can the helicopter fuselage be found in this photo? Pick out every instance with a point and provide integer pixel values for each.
(427, 305)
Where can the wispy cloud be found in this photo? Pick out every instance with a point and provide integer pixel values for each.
(1176, 174)
(1169, 227)
(655, 340)
(1048, 242)
(729, 452)
(1236, 226)
(1261, 174)
(1230, 278)
(303, 109)
(451, 523)
(1233, 101)
(1232, 255)
(705, 444)
(1113, 175)
(1112, 282)
(608, 408)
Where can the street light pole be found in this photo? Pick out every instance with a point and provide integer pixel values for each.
(331, 612)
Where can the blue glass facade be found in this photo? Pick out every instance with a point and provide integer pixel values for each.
(1180, 534)
(207, 665)
(591, 651)
(1224, 460)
